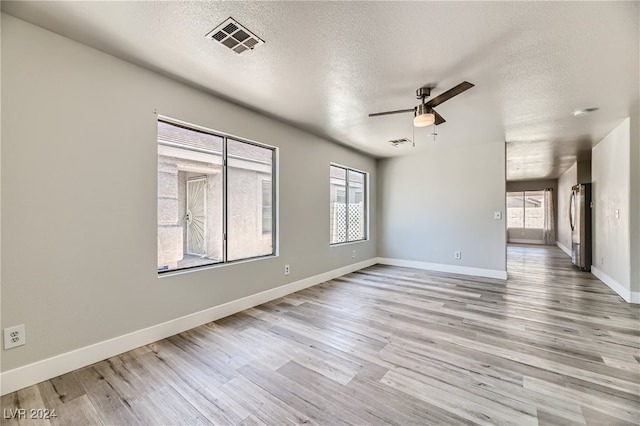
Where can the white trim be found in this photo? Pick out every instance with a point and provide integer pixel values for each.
(440, 267)
(524, 241)
(564, 248)
(189, 125)
(39, 371)
(628, 295)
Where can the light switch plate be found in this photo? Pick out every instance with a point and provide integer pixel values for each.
(497, 215)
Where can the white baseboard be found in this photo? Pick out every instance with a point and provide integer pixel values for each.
(49, 368)
(524, 241)
(564, 248)
(628, 295)
(440, 267)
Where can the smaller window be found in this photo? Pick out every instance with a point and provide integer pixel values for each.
(348, 205)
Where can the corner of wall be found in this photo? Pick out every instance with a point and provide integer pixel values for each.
(634, 212)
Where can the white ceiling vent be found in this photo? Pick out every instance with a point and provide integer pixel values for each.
(234, 36)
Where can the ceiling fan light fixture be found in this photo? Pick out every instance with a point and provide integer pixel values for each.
(423, 116)
(424, 120)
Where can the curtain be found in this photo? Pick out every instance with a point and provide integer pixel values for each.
(549, 228)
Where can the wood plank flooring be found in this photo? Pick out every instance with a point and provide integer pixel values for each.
(384, 345)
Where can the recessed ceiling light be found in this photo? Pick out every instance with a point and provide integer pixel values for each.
(581, 112)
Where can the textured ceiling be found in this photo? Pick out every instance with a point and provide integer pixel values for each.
(326, 65)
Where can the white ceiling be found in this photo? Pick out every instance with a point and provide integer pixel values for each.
(326, 65)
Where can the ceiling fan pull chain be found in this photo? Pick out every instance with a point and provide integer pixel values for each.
(413, 128)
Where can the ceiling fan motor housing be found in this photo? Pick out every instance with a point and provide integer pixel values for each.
(423, 92)
(423, 109)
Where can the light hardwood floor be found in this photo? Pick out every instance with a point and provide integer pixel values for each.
(384, 345)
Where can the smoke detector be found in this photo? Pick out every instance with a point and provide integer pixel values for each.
(235, 36)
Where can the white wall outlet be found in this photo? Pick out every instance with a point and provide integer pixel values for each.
(457, 254)
(287, 269)
(353, 254)
(14, 336)
(497, 215)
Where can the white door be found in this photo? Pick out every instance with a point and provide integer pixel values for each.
(196, 216)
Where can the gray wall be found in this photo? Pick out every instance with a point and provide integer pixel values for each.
(79, 160)
(611, 190)
(435, 202)
(0, 185)
(634, 212)
(584, 171)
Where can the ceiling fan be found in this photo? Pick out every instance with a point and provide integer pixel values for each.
(424, 114)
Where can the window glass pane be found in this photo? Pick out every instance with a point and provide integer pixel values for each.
(189, 197)
(248, 166)
(515, 209)
(267, 209)
(534, 209)
(338, 204)
(356, 200)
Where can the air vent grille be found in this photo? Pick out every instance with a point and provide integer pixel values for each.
(396, 142)
(234, 36)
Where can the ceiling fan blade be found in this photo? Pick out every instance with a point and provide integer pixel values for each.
(465, 85)
(439, 118)
(375, 114)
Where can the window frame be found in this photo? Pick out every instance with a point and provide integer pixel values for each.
(523, 194)
(274, 196)
(365, 194)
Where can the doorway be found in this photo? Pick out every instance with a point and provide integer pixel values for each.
(196, 216)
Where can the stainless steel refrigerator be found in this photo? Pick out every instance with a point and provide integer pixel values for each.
(580, 221)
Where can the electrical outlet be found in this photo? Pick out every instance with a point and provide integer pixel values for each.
(287, 269)
(353, 254)
(14, 336)
(457, 254)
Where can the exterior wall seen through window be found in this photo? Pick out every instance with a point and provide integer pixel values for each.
(348, 205)
(209, 212)
(525, 209)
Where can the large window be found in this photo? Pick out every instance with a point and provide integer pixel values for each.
(215, 198)
(525, 209)
(348, 204)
